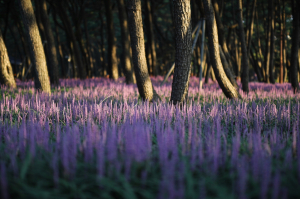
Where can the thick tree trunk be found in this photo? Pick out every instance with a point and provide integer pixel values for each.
(245, 60)
(112, 48)
(228, 89)
(125, 43)
(36, 50)
(52, 61)
(6, 72)
(183, 47)
(295, 46)
(135, 23)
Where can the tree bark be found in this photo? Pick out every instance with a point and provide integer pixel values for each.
(227, 69)
(6, 72)
(183, 47)
(59, 49)
(72, 38)
(272, 44)
(125, 43)
(245, 59)
(295, 46)
(135, 22)
(281, 80)
(212, 32)
(52, 61)
(150, 38)
(36, 50)
(112, 48)
(251, 27)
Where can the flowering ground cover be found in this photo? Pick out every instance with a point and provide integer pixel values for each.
(96, 139)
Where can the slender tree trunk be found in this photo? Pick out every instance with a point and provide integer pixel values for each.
(212, 32)
(135, 23)
(281, 80)
(35, 46)
(221, 35)
(112, 48)
(272, 44)
(183, 47)
(251, 27)
(89, 50)
(267, 50)
(59, 48)
(125, 42)
(52, 61)
(6, 72)
(245, 60)
(256, 66)
(81, 70)
(150, 37)
(259, 52)
(284, 44)
(237, 57)
(295, 46)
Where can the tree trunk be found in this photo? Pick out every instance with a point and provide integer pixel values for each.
(6, 72)
(245, 60)
(36, 50)
(272, 44)
(259, 51)
(59, 48)
(125, 43)
(295, 46)
(251, 27)
(183, 47)
(228, 89)
(237, 57)
(89, 50)
(52, 61)
(227, 69)
(281, 80)
(112, 48)
(150, 38)
(135, 23)
(72, 38)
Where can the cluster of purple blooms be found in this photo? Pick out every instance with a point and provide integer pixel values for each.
(210, 147)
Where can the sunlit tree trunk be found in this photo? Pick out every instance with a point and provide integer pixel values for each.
(52, 61)
(6, 72)
(135, 22)
(213, 43)
(112, 48)
(35, 46)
